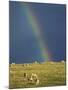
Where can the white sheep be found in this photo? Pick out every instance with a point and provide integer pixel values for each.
(34, 75)
(31, 79)
(35, 78)
(37, 81)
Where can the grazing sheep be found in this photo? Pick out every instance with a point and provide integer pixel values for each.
(34, 78)
(31, 79)
(37, 81)
(34, 75)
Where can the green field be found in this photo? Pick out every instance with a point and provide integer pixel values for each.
(49, 74)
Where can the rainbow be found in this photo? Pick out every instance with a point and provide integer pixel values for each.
(36, 29)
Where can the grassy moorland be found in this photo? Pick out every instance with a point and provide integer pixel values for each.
(49, 74)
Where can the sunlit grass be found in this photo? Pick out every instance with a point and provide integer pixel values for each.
(49, 74)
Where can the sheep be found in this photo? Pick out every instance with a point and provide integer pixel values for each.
(34, 78)
(34, 75)
(31, 79)
(37, 81)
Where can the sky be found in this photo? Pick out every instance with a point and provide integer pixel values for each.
(37, 32)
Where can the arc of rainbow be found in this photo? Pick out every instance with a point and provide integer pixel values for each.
(37, 32)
